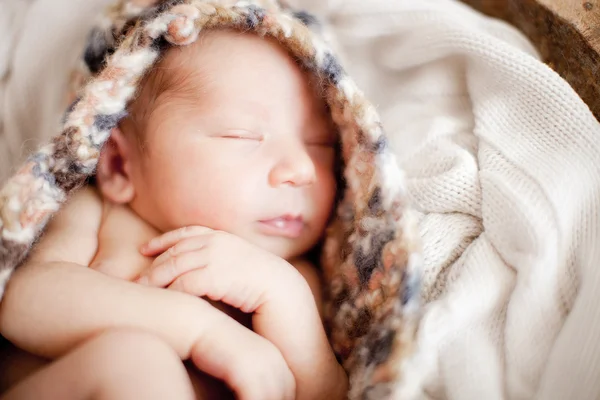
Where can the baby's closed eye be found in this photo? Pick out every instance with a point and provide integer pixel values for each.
(241, 134)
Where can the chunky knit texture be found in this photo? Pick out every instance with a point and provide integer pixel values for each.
(370, 258)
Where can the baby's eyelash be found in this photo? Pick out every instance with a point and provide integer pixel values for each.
(245, 135)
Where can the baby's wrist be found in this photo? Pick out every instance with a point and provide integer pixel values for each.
(288, 286)
(339, 386)
(329, 381)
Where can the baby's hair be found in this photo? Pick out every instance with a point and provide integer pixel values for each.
(161, 82)
(166, 78)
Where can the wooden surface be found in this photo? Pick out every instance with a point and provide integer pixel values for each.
(567, 34)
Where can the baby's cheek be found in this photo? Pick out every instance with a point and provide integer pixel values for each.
(209, 209)
(325, 189)
(220, 198)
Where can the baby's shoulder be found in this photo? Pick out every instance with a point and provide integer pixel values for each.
(72, 233)
(85, 207)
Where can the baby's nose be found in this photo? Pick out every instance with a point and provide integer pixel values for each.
(296, 169)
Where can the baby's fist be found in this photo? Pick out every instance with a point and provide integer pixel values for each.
(221, 266)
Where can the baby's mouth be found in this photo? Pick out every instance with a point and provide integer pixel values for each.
(286, 226)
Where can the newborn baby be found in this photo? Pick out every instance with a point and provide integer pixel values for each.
(217, 185)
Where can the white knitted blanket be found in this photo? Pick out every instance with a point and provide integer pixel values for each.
(503, 160)
(504, 164)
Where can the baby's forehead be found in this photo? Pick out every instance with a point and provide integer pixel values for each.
(228, 63)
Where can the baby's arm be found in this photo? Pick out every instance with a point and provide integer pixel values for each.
(53, 303)
(326, 373)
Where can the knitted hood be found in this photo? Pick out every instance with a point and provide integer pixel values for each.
(370, 257)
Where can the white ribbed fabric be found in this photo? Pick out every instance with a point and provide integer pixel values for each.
(504, 167)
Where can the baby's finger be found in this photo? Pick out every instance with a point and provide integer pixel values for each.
(161, 243)
(162, 275)
(201, 283)
(186, 245)
(217, 286)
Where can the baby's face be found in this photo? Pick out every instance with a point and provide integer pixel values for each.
(239, 142)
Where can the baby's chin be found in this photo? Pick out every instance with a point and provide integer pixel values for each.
(286, 248)
(281, 248)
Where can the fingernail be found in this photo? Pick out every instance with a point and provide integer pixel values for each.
(149, 245)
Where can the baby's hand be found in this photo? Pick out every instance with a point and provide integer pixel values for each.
(224, 267)
(221, 266)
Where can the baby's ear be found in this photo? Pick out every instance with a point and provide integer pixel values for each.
(113, 172)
